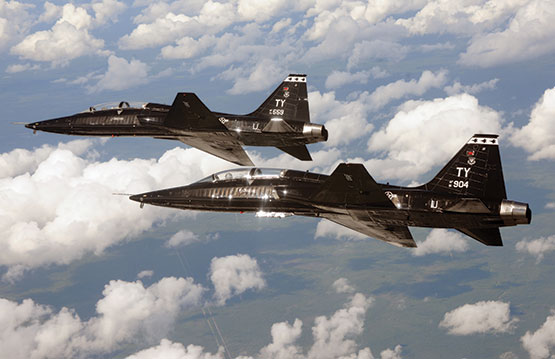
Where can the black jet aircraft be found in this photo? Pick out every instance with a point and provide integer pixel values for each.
(282, 121)
(468, 194)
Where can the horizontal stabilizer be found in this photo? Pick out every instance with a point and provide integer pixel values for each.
(300, 152)
(352, 184)
(488, 236)
(189, 113)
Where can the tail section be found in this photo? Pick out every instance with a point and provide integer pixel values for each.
(288, 102)
(475, 171)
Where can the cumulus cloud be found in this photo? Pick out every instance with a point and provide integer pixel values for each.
(537, 247)
(147, 273)
(127, 312)
(473, 89)
(15, 21)
(338, 79)
(344, 120)
(122, 74)
(333, 337)
(342, 285)
(538, 136)
(365, 51)
(233, 275)
(402, 88)
(326, 228)
(539, 343)
(168, 349)
(527, 36)
(460, 17)
(59, 203)
(441, 241)
(107, 10)
(68, 39)
(182, 238)
(480, 317)
(424, 134)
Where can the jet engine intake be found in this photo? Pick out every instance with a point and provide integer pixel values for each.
(514, 213)
(315, 131)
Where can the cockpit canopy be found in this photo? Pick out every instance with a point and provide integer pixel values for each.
(127, 105)
(248, 174)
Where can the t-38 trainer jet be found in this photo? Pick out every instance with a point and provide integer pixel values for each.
(468, 194)
(282, 121)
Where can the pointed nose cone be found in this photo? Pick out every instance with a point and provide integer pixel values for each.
(56, 125)
(136, 198)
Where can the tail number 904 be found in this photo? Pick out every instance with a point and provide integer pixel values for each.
(458, 184)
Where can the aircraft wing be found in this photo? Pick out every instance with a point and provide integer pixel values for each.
(228, 149)
(397, 235)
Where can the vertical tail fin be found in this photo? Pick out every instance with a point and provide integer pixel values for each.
(475, 171)
(289, 101)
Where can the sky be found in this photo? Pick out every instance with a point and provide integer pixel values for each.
(400, 86)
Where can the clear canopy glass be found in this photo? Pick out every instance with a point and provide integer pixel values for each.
(116, 105)
(244, 173)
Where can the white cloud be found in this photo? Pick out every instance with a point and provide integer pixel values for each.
(233, 275)
(58, 203)
(550, 205)
(327, 228)
(171, 22)
(340, 78)
(15, 68)
(344, 120)
(424, 134)
(187, 47)
(334, 338)
(365, 50)
(333, 335)
(480, 317)
(147, 273)
(540, 343)
(122, 74)
(265, 73)
(537, 247)
(465, 17)
(402, 88)
(15, 21)
(51, 12)
(182, 238)
(538, 136)
(527, 36)
(342, 285)
(127, 312)
(106, 10)
(68, 39)
(394, 353)
(169, 350)
(457, 87)
(441, 241)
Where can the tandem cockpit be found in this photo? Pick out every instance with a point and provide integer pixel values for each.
(124, 105)
(248, 174)
(255, 173)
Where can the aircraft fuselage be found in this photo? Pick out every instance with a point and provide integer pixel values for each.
(289, 194)
(248, 130)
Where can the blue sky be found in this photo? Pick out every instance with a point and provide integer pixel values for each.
(400, 85)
